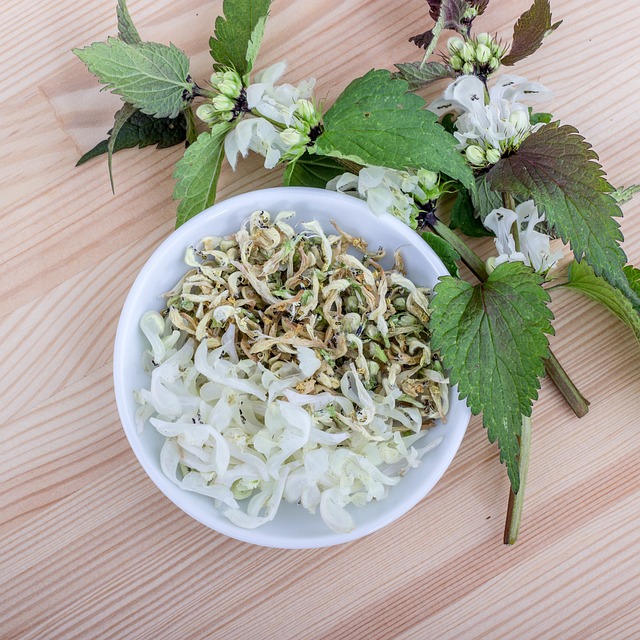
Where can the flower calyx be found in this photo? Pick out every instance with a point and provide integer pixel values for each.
(478, 56)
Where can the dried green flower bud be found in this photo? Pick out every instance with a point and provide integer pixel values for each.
(352, 304)
(372, 331)
(400, 304)
(407, 320)
(351, 322)
(475, 155)
(376, 352)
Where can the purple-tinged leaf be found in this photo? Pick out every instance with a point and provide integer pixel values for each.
(558, 169)
(529, 31)
(458, 16)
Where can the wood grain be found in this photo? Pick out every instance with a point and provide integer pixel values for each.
(90, 549)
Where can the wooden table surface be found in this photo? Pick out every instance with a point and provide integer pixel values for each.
(89, 548)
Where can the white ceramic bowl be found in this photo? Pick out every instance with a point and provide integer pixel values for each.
(293, 526)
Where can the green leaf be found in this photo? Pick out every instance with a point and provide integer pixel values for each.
(197, 172)
(375, 121)
(624, 194)
(557, 168)
(492, 339)
(536, 118)
(444, 251)
(420, 76)
(529, 31)
(311, 171)
(126, 29)
(254, 45)
(192, 133)
(152, 77)
(633, 277)
(485, 199)
(141, 130)
(583, 279)
(463, 217)
(238, 34)
(448, 122)
(121, 118)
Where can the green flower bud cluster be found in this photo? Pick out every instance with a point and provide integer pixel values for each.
(479, 56)
(223, 106)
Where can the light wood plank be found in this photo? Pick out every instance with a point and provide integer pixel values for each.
(89, 548)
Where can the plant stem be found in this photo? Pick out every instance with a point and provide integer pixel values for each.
(469, 257)
(435, 34)
(516, 500)
(508, 201)
(569, 391)
(203, 93)
(276, 124)
(349, 165)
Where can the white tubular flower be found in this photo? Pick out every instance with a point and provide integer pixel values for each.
(390, 191)
(534, 246)
(495, 123)
(382, 189)
(278, 103)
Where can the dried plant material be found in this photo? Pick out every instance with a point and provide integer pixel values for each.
(281, 352)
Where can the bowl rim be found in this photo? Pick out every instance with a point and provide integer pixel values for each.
(181, 237)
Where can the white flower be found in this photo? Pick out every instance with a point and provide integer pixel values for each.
(390, 191)
(255, 134)
(534, 246)
(278, 103)
(278, 131)
(499, 121)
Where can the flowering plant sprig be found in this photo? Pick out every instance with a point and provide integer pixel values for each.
(517, 175)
